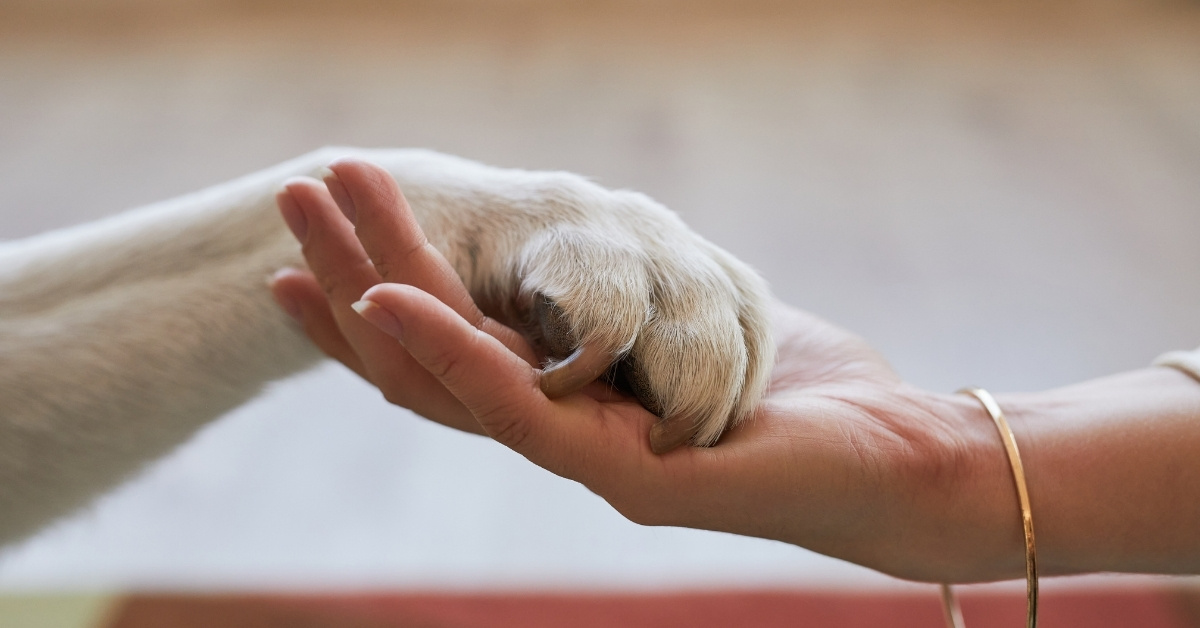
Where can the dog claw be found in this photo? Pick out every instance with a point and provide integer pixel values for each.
(581, 368)
(668, 434)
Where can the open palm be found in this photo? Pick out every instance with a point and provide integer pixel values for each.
(841, 457)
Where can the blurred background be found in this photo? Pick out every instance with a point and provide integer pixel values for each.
(997, 193)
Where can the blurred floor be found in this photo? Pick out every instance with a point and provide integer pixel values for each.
(1004, 194)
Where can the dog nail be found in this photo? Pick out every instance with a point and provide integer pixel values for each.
(579, 369)
(668, 434)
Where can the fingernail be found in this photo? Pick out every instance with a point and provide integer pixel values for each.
(341, 197)
(287, 304)
(379, 317)
(296, 221)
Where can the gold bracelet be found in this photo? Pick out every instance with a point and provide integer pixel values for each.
(949, 604)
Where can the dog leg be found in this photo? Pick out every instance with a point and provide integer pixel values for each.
(119, 339)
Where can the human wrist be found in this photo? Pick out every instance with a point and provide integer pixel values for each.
(965, 523)
(985, 507)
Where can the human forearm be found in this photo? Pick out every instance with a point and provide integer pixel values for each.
(1113, 475)
(1110, 465)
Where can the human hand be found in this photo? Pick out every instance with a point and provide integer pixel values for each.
(340, 271)
(841, 457)
(336, 236)
(592, 277)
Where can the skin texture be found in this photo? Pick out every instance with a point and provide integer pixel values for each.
(841, 457)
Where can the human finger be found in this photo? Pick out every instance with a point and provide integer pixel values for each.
(344, 272)
(371, 199)
(299, 294)
(391, 236)
(570, 437)
(332, 251)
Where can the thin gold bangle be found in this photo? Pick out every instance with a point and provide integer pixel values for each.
(949, 604)
(950, 609)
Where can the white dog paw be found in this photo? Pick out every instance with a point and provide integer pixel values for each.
(631, 294)
(606, 283)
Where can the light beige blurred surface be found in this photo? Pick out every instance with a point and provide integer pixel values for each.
(54, 611)
(1003, 194)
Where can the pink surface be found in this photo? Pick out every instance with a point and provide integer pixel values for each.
(1152, 608)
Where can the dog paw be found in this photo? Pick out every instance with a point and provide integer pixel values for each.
(607, 284)
(660, 312)
(629, 293)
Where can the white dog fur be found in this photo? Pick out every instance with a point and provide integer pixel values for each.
(120, 338)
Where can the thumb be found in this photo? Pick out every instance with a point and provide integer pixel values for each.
(499, 388)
